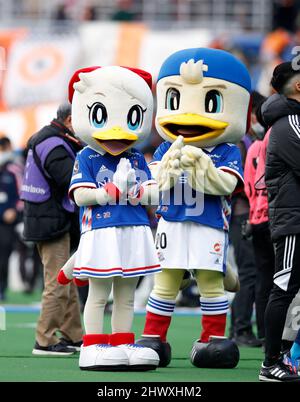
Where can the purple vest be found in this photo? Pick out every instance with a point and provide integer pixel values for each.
(36, 187)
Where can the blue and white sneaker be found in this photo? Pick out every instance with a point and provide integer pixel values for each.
(140, 357)
(102, 358)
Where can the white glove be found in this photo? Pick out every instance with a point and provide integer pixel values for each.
(170, 169)
(123, 179)
(189, 155)
(124, 176)
(203, 176)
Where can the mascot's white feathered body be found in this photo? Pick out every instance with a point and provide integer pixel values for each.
(112, 111)
(203, 103)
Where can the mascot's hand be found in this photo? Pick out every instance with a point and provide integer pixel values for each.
(170, 169)
(190, 155)
(124, 177)
(194, 161)
(203, 175)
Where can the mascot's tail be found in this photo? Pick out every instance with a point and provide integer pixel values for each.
(65, 275)
(231, 280)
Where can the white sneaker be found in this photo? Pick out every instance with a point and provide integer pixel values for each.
(102, 357)
(140, 357)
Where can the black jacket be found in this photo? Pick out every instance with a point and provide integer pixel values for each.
(283, 164)
(49, 220)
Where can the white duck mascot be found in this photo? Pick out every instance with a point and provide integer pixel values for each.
(203, 105)
(112, 111)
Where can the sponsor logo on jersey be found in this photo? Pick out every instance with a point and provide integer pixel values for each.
(233, 165)
(94, 156)
(217, 247)
(160, 256)
(182, 179)
(103, 169)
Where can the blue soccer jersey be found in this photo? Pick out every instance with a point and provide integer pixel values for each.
(93, 170)
(183, 203)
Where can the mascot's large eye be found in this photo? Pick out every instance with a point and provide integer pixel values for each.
(172, 99)
(97, 115)
(213, 102)
(135, 117)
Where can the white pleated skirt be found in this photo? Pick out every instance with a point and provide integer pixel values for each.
(125, 251)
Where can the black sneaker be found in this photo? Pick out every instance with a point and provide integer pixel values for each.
(53, 350)
(69, 344)
(247, 339)
(279, 372)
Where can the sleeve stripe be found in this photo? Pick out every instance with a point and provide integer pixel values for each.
(234, 172)
(82, 184)
(294, 123)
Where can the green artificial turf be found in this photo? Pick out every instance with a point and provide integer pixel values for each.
(22, 298)
(18, 364)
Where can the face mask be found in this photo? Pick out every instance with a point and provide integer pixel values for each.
(5, 157)
(258, 130)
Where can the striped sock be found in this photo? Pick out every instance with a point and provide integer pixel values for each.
(160, 306)
(214, 305)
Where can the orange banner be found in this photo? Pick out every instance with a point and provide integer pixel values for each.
(131, 36)
(7, 38)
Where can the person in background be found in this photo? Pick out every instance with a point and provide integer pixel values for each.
(243, 302)
(256, 192)
(9, 215)
(30, 266)
(281, 112)
(29, 261)
(51, 221)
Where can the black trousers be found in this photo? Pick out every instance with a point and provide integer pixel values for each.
(242, 305)
(7, 236)
(265, 261)
(286, 285)
(31, 274)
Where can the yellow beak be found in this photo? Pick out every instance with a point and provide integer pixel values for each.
(193, 127)
(115, 140)
(114, 133)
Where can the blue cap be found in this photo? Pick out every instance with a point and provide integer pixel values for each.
(221, 65)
